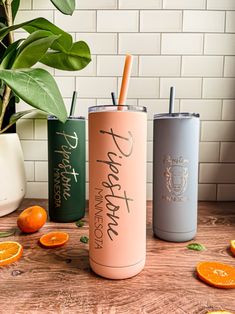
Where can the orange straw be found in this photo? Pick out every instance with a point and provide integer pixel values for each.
(125, 81)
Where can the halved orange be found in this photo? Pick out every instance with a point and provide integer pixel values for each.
(10, 252)
(54, 239)
(232, 246)
(217, 274)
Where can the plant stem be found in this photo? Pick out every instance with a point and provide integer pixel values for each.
(5, 102)
(6, 128)
(8, 12)
(7, 90)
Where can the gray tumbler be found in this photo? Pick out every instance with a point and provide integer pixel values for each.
(175, 176)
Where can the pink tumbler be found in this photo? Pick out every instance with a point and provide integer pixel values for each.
(117, 190)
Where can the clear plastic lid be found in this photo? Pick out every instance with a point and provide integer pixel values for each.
(113, 108)
(176, 115)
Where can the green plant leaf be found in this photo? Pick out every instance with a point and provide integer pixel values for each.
(16, 116)
(64, 42)
(17, 99)
(33, 50)
(7, 29)
(65, 6)
(72, 60)
(34, 36)
(7, 233)
(65, 54)
(10, 54)
(15, 7)
(84, 239)
(38, 88)
(80, 223)
(196, 247)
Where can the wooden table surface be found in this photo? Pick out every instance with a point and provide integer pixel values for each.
(60, 280)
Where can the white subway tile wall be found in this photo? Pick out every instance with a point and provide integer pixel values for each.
(184, 4)
(186, 43)
(160, 21)
(229, 67)
(204, 21)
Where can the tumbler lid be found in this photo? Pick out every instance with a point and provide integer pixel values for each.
(177, 115)
(112, 108)
(68, 118)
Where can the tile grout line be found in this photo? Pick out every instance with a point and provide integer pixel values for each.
(225, 21)
(139, 21)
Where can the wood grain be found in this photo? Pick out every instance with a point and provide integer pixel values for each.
(60, 280)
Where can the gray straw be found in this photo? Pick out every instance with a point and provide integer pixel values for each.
(73, 104)
(114, 99)
(172, 100)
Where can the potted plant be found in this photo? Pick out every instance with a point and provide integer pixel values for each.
(50, 45)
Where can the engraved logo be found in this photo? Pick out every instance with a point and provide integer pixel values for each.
(176, 178)
(64, 173)
(114, 192)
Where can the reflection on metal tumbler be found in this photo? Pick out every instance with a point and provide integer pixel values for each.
(175, 176)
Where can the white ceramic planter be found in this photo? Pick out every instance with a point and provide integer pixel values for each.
(12, 173)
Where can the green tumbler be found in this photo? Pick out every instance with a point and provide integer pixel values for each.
(66, 168)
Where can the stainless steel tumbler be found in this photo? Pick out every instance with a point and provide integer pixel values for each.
(175, 176)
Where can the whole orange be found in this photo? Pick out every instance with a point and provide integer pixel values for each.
(32, 219)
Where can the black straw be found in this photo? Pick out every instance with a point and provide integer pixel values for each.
(172, 100)
(114, 99)
(73, 104)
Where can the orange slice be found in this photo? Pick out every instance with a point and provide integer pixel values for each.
(220, 312)
(10, 252)
(54, 239)
(232, 246)
(217, 274)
